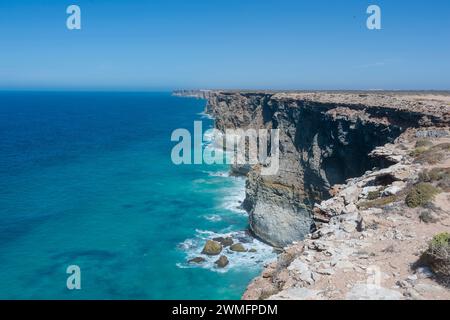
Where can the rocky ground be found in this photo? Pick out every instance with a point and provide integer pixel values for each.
(370, 242)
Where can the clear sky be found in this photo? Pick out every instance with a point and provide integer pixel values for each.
(278, 44)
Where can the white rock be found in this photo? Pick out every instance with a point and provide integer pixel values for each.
(297, 294)
(424, 288)
(350, 194)
(394, 189)
(350, 208)
(372, 292)
(298, 266)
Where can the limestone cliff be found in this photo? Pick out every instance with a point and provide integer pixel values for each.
(325, 138)
(363, 187)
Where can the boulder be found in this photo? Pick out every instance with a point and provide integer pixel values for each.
(350, 194)
(212, 248)
(237, 247)
(396, 187)
(197, 260)
(222, 262)
(224, 241)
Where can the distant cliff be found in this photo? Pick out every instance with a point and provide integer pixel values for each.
(199, 94)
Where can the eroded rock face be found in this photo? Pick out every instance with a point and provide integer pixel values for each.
(321, 144)
(371, 246)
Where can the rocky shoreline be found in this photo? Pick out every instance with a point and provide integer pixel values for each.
(340, 206)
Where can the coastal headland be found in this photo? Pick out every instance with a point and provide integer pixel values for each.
(362, 189)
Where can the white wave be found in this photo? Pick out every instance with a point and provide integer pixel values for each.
(188, 244)
(224, 174)
(213, 217)
(234, 197)
(204, 115)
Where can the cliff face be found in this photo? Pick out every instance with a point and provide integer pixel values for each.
(324, 140)
(349, 205)
(379, 233)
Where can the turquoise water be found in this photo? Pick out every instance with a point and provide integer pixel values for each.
(86, 179)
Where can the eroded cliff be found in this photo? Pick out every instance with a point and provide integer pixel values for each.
(325, 139)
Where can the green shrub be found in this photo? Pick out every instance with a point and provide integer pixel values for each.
(438, 255)
(420, 194)
(441, 240)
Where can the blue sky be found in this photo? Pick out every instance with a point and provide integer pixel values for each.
(166, 44)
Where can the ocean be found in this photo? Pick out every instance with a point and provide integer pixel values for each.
(87, 179)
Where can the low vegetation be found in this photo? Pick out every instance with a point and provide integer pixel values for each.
(377, 203)
(372, 195)
(427, 217)
(438, 255)
(430, 155)
(440, 176)
(418, 151)
(423, 143)
(421, 194)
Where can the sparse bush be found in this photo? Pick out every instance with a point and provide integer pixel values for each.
(438, 255)
(420, 194)
(427, 217)
(444, 185)
(377, 203)
(435, 174)
(418, 151)
(431, 155)
(442, 146)
(372, 195)
(440, 240)
(423, 143)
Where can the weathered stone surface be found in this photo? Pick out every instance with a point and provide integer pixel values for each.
(297, 294)
(372, 292)
(212, 248)
(321, 144)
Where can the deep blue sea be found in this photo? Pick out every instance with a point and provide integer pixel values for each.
(87, 179)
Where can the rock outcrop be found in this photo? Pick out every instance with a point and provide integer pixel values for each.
(325, 139)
